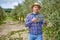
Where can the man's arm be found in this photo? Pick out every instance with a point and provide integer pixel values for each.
(42, 21)
(28, 21)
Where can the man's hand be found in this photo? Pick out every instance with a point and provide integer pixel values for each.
(34, 19)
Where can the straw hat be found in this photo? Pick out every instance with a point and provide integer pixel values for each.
(36, 4)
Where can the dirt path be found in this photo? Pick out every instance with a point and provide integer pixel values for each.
(12, 26)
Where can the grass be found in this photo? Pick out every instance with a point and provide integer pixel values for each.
(8, 36)
(2, 22)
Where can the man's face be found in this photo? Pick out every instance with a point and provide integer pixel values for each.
(35, 9)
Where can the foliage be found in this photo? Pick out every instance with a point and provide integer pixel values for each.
(2, 15)
(51, 12)
(20, 11)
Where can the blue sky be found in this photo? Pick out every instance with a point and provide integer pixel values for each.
(9, 3)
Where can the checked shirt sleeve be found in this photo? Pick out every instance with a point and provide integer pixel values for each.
(42, 21)
(28, 21)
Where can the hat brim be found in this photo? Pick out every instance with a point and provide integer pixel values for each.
(36, 5)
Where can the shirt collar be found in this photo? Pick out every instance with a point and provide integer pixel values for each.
(35, 13)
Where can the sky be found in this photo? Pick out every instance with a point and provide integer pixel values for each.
(9, 3)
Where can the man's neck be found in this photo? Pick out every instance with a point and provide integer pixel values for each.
(35, 12)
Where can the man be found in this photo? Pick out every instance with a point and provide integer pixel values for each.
(34, 22)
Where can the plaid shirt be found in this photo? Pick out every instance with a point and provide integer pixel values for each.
(34, 27)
